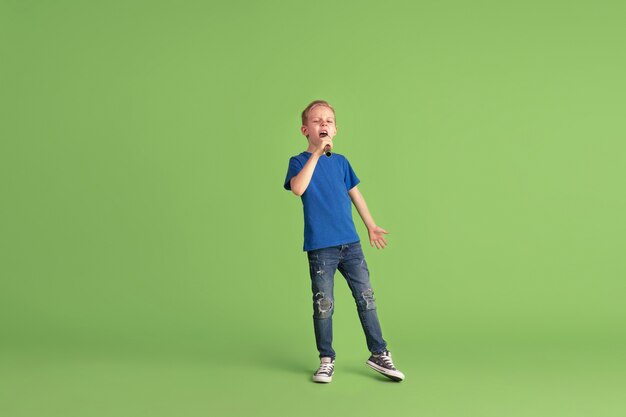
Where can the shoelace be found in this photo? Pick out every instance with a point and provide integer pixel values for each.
(387, 360)
(325, 368)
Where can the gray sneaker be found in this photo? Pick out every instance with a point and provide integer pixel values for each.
(383, 364)
(325, 371)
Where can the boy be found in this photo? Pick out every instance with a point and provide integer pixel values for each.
(327, 185)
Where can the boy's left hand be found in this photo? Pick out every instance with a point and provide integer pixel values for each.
(377, 238)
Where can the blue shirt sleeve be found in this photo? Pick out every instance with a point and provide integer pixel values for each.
(292, 171)
(350, 178)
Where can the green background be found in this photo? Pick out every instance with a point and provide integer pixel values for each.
(152, 263)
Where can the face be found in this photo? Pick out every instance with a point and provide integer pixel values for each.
(320, 124)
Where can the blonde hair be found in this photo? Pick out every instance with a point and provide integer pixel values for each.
(315, 103)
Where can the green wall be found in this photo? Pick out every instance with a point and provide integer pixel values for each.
(152, 263)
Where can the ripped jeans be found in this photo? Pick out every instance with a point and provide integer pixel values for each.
(350, 261)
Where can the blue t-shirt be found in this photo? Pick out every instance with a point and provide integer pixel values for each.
(326, 203)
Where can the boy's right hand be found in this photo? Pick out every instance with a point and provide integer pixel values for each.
(324, 142)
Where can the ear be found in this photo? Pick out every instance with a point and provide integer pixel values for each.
(304, 130)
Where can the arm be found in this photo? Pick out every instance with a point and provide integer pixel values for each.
(375, 232)
(300, 182)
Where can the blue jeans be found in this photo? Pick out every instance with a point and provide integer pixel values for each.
(351, 263)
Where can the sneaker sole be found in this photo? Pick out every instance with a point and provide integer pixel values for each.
(396, 376)
(323, 379)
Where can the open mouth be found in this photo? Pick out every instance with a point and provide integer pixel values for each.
(323, 134)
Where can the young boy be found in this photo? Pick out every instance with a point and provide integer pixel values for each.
(327, 185)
